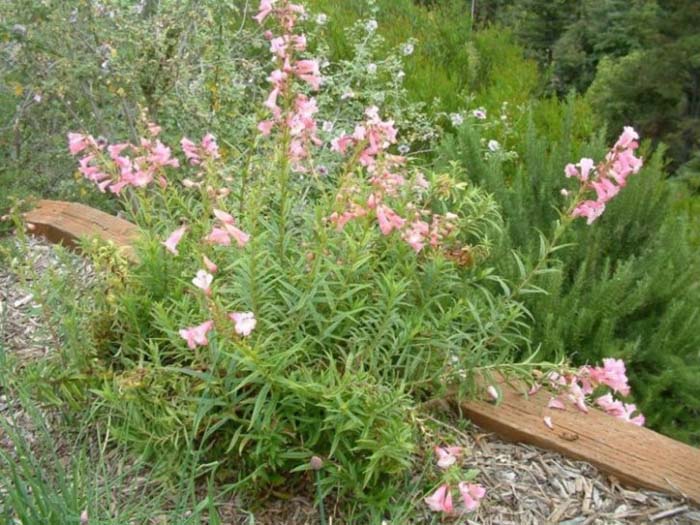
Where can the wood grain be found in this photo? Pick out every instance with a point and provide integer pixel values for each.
(634, 455)
(67, 222)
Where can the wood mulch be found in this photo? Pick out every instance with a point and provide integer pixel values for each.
(525, 485)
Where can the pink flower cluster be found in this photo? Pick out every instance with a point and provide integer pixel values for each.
(577, 387)
(111, 168)
(244, 322)
(441, 499)
(197, 153)
(369, 141)
(298, 120)
(108, 167)
(608, 177)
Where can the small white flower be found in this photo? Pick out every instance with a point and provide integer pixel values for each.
(348, 94)
(321, 19)
(565, 192)
(327, 126)
(494, 145)
(407, 49)
(371, 26)
(400, 75)
(404, 148)
(456, 119)
(479, 113)
(37, 98)
(371, 68)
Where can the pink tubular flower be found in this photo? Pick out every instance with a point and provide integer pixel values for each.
(210, 146)
(612, 374)
(244, 322)
(307, 70)
(265, 127)
(388, 219)
(608, 177)
(191, 151)
(224, 217)
(471, 493)
(627, 138)
(77, 143)
(447, 456)
(239, 236)
(211, 267)
(620, 410)
(415, 236)
(556, 403)
(160, 156)
(172, 241)
(263, 11)
(589, 209)
(203, 280)
(197, 335)
(218, 236)
(440, 500)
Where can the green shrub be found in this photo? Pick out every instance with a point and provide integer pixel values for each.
(627, 287)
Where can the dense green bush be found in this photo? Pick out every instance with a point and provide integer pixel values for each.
(627, 287)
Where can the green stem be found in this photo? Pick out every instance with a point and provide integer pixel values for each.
(319, 497)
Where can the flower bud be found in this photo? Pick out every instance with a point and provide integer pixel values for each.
(316, 463)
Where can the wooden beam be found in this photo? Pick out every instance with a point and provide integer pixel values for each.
(634, 455)
(67, 222)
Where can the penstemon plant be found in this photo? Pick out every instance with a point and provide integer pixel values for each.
(287, 310)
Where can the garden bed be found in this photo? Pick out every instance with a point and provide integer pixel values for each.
(525, 484)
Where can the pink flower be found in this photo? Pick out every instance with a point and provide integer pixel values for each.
(388, 219)
(576, 395)
(210, 146)
(160, 156)
(197, 335)
(589, 209)
(264, 10)
(613, 374)
(416, 234)
(209, 264)
(441, 500)
(471, 493)
(556, 403)
(307, 70)
(77, 143)
(620, 410)
(627, 138)
(115, 151)
(447, 456)
(172, 241)
(191, 151)
(244, 322)
(240, 236)
(203, 280)
(265, 127)
(605, 190)
(341, 143)
(218, 236)
(224, 217)
(586, 166)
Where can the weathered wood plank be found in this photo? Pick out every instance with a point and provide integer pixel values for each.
(67, 222)
(635, 455)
